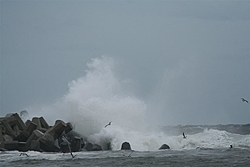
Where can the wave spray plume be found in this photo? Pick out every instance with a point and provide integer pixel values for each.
(98, 98)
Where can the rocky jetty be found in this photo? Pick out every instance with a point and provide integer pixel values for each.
(37, 135)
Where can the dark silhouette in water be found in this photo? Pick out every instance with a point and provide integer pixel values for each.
(107, 124)
(231, 146)
(164, 147)
(244, 100)
(184, 137)
(126, 146)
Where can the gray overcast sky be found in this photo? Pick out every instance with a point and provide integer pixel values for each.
(188, 61)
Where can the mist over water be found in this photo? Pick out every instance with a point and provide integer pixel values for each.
(99, 97)
(96, 99)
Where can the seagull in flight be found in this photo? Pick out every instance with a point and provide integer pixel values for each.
(107, 124)
(244, 100)
(184, 137)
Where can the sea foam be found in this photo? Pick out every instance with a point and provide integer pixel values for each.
(99, 97)
(94, 100)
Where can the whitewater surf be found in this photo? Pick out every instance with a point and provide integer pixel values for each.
(100, 97)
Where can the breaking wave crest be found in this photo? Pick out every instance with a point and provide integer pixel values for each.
(99, 97)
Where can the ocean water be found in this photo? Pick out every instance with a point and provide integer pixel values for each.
(202, 147)
(99, 97)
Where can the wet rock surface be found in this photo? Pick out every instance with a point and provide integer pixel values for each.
(38, 135)
(126, 146)
(164, 147)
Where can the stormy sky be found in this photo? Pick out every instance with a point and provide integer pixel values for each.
(189, 61)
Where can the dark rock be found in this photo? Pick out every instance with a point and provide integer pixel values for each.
(40, 125)
(3, 149)
(30, 126)
(7, 138)
(36, 120)
(89, 147)
(126, 146)
(73, 134)
(82, 143)
(96, 147)
(49, 137)
(36, 134)
(1, 138)
(76, 144)
(44, 124)
(65, 147)
(18, 121)
(2, 127)
(22, 146)
(49, 141)
(47, 145)
(57, 129)
(34, 145)
(164, 147)
(12, 125)
(68, 127)
(11, 145)
(22, 137)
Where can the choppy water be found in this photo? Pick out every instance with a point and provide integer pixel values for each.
(191, 157)
(98, 98)
(202, 147)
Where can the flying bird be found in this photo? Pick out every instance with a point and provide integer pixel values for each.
(244, 100)
(107, 124)
(184, 137)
